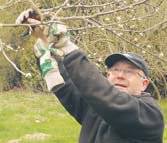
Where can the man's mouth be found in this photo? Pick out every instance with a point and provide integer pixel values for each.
(120, 85)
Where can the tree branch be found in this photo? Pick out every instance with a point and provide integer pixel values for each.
(102, 13)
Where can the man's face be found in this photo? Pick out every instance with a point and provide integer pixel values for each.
(128, 78)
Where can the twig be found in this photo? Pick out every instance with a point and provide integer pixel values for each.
(27, 75)
(142, 31)
(37, 24)
(80, 6)
(10, 4)
(126, 40)
(60, 9)
(102, 13)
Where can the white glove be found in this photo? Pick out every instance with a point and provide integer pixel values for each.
(54, 34)
(49, 66)
(59, 38)
(30, 16)
(24, 16)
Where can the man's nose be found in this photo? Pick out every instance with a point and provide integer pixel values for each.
(121, 74)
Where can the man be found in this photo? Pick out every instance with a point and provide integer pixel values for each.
(116, 110)
(128, 72)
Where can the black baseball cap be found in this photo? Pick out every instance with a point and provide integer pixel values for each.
(133, 58)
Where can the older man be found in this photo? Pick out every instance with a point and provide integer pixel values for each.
(128, 72)
(112, 110)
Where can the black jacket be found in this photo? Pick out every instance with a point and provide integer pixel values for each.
(106, 114)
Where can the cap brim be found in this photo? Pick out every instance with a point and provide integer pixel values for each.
(112, 59)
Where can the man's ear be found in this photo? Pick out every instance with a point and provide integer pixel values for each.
(108, 74)
(145, 84)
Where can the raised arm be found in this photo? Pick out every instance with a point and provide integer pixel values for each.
(70, 97)
(57, 80)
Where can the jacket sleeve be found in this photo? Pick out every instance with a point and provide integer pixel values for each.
(126, 113)
(70, 97)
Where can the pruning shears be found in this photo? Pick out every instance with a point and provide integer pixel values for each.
(33, 15)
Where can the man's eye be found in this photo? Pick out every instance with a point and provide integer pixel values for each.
(116, 69)
(129, 72)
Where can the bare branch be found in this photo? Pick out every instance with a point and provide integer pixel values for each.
(10, 4)
(116, 23)
(37, 24)
(102, 13)
(90, 21)
(81, 6)
(126, 40)
(60, 9)
(27, 75)
(142, 31)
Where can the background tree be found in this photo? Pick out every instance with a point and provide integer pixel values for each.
(100, 27)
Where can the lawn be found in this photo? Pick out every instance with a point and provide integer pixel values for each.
(35, 118)
(163, 105)
(27, 117)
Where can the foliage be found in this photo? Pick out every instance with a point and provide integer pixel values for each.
(100, 27)
(8, 76)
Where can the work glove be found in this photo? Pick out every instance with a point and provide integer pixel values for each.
(59, 38)
(48, 66)
(31, 17)
(53, 33)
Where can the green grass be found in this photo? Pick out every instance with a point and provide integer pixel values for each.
(34, 118)
(39, 118)
(163, 105)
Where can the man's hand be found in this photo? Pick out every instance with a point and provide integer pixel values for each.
(58, 38)
(48, 65)
(56, 34)
(31, 17)
(53, 34)
(24, 16)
